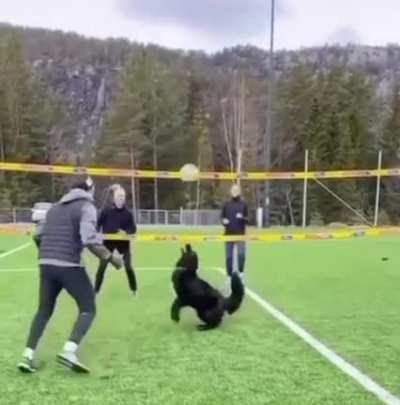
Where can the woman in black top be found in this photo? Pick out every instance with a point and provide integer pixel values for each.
(113, 220)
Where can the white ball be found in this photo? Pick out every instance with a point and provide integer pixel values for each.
(189, 172)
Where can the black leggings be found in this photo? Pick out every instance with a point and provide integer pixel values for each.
(53, 279)
(123, 248)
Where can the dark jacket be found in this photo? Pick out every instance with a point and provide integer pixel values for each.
(230, 211)
(113, 220)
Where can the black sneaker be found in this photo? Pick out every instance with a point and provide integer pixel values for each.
(26, 366)
(71, 361)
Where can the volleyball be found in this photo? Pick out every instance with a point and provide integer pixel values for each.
(189, 172)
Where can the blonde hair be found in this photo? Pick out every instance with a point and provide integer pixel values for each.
(235, 190)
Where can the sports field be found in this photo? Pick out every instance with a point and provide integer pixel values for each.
(341, 291)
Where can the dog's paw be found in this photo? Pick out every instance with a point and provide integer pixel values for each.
(175, 319)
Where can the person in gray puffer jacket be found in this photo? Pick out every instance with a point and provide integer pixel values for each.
(69, 227)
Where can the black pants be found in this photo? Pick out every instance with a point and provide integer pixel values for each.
(123, 247)
(53, 279)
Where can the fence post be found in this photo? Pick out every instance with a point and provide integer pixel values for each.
(133, 191)
(180, 216)
(378, 189)
(14, 215)
(305, 187)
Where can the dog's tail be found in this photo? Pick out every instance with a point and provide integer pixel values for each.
(233, 302)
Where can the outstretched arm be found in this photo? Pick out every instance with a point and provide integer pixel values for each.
(130, 227)
(246, 213)
(92, 239)
(224, 218)
(100, 220)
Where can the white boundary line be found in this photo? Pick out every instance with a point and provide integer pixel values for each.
(347, 368)
(17, 249)
(362, 379)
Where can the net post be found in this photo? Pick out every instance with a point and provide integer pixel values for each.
(133, 185)
(181, 216)
(378, 189)
(305, 189)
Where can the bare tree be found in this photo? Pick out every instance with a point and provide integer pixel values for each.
(133, 188)
(233, 109)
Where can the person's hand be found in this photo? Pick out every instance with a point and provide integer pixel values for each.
(225, 221)
(116, 260)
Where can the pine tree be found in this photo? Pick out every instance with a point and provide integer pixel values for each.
(296, 96)
(390, 141)
(148, 117)
(15, 89)
(335, 138)
(28, 111)
(390, 144)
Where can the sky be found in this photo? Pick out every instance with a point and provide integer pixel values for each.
(211, 25)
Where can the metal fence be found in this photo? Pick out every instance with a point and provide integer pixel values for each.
(200, 217)
(181, 217)
(158, 217)
(143, 217)
(15, 215)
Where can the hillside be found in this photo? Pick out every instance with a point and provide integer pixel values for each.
(83, 70)
(336, 101)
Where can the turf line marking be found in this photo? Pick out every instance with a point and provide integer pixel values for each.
(17, 249)
(347, 368)
(362, 379)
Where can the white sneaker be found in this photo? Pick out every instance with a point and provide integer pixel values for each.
(70, 360)
(27, 366)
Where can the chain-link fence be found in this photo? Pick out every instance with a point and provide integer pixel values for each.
(143, 217)
(200, 217)
(15, 215)
(178, 217)
(158, 217)
(288, 215)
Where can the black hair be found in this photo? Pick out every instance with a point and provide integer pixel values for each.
(84, 183)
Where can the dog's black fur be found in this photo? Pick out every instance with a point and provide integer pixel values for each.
(194, 292)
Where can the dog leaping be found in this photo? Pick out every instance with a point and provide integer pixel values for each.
(209, 304)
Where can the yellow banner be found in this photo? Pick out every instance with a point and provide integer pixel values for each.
(198, 238)
(149, 174)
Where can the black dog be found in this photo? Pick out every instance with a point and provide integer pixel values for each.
(194, 292)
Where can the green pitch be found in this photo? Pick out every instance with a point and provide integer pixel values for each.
(340, 291)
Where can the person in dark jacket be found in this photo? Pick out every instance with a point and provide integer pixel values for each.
(113, 220)
(69, 227)
(234, 217)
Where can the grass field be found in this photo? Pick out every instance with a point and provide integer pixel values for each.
(340, 291)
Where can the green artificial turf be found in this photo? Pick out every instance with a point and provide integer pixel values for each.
(340, 291)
